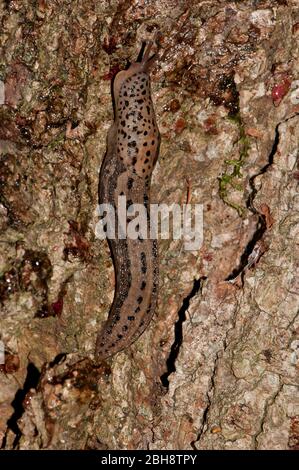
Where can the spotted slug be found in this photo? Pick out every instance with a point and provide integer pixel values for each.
(132, 150)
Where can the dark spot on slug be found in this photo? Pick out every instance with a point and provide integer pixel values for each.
(143, 262)
(143, 285)
(132, 144)
(131, 318)
(128, 264)
(130, 183)
(155, 249)
(140, 299)
(137, 309)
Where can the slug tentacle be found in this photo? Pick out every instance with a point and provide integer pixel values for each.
(132, 150)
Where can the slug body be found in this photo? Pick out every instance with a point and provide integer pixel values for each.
(132, 151)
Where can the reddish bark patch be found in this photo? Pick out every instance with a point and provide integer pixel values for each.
(280, 90)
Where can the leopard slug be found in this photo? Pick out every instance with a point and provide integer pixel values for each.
(132, 150)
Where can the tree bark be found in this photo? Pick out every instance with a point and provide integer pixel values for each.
(218, 366)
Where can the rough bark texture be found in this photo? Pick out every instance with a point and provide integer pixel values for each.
(218, 366)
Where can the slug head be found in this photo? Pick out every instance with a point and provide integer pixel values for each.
(143, 65)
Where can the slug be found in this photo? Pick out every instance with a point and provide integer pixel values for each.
(132, 150)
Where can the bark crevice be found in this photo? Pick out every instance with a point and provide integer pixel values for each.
(261, 223)
(31, 381)
(178, 332)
